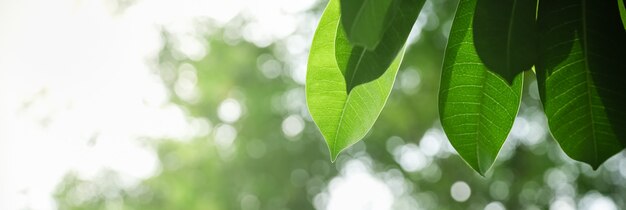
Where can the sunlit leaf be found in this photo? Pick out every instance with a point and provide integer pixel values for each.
(364, 20)
(342, 118)
(477, 107)
(504, 35)
(363, 66)
(580, 77)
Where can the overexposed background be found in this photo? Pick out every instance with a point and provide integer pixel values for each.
(80, 92)
(72, 71)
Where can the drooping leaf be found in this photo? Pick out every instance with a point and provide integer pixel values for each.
(477, 108)
(364, 20)
(505, 35)
(342, 118)
(363, 66)
(580, 77)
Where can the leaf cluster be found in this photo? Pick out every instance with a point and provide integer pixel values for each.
(575, 49)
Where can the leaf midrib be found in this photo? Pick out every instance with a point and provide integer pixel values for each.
(508, 39)
(358, 16)
(356, 70)
(334, 152)
(588, 74)
(345, 105)
(478, 121)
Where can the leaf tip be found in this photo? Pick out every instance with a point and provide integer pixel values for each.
(333, 155)
(334, 151)
(483, 172)
(481, 167)
(333, 159)
(479, 170)
(595, 165)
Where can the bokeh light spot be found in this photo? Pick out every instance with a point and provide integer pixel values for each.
(411, 158)
(460, 191)
(499, 190)
(229, 110)
(495, 206)
(225, 136)
(250, 202)
(293, 125)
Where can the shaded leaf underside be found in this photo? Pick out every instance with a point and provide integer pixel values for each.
(505, 35)
(359, 65)
(582, 50)
(364, 20)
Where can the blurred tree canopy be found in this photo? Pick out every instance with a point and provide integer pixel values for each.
(271, 156)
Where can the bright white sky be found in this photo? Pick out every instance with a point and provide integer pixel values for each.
(71, 71)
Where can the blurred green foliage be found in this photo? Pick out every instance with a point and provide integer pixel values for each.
(267, 168)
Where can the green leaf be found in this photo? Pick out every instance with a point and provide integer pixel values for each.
(342, 118)
(505, 35)
(363, 66)
(622, 11)
(364, 20)
(579, 73)
(477, 107)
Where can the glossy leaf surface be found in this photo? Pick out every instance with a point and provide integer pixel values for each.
(342, 118)
(505, 35)
(580, 76)
(476, 106)
(362, 65)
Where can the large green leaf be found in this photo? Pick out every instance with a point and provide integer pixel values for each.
(364, 20)
(580, 76)
(477, 107)
(342, 118)
(505, 35)
(363, 66)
